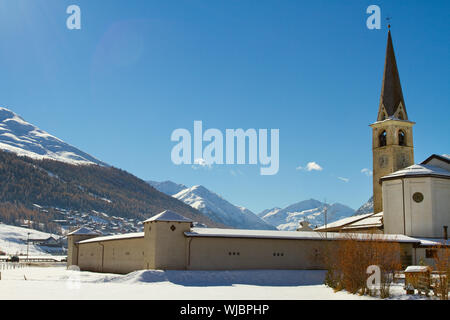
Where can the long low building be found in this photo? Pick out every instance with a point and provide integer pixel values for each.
(170, 242)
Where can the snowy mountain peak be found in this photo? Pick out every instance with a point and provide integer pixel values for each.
(312, 211)
(220, 210)
(201, 191)
(24, 139)
(213, 206)
(267, 211)
(365, 208)
(168, 187)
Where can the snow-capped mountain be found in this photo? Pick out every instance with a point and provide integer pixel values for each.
(24, 139)
(289, 218)
(214, 206)
(267, 211)
(71, 182)
(218, 209)
(168, 187)
(365, 208)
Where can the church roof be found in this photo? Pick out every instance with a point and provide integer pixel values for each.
(444, 158)
(391, 90)
(168, 215)
(419, 170)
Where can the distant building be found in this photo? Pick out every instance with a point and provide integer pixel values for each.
(48, 242)
(304, 226)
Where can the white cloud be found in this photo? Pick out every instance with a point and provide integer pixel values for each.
(311, 166)
(367, 172)
(446, 155)
(346, 180)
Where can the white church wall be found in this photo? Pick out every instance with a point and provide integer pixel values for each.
(425, 218)
(393, 207)
(441, 205)
(419, 215)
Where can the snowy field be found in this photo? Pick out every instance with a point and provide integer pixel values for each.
(13, 240)
(57, 283)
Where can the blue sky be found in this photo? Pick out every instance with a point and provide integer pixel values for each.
(137, 70)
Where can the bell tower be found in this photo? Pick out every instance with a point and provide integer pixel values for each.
(392, 133)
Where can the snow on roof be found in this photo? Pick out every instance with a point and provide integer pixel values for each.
(115, 237)
(375, 220)
(417, 269)
(294, 235)
(444, 158)
(432, 242)
(343, 222)
(419, 170)
(82, 231)
(168, 215)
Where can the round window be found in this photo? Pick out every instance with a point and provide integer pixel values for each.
(418, 197)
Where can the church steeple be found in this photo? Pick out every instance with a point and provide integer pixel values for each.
(392, 134)
(392, 104)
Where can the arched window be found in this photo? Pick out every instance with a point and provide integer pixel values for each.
(400, 115)
(382, 139)
(401, 138)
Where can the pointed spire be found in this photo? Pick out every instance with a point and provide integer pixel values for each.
(391, 91)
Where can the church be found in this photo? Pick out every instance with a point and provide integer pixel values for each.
(411, 207)
(409, 199)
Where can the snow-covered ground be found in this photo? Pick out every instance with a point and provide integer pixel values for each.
(60, 284)
(13, 240)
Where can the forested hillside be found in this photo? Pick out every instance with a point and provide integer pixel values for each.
(25, 182)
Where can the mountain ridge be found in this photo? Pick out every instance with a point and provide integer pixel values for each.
(365, 208)
(310, 210)
(215, 207)
(39, 169)
(25, 139)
